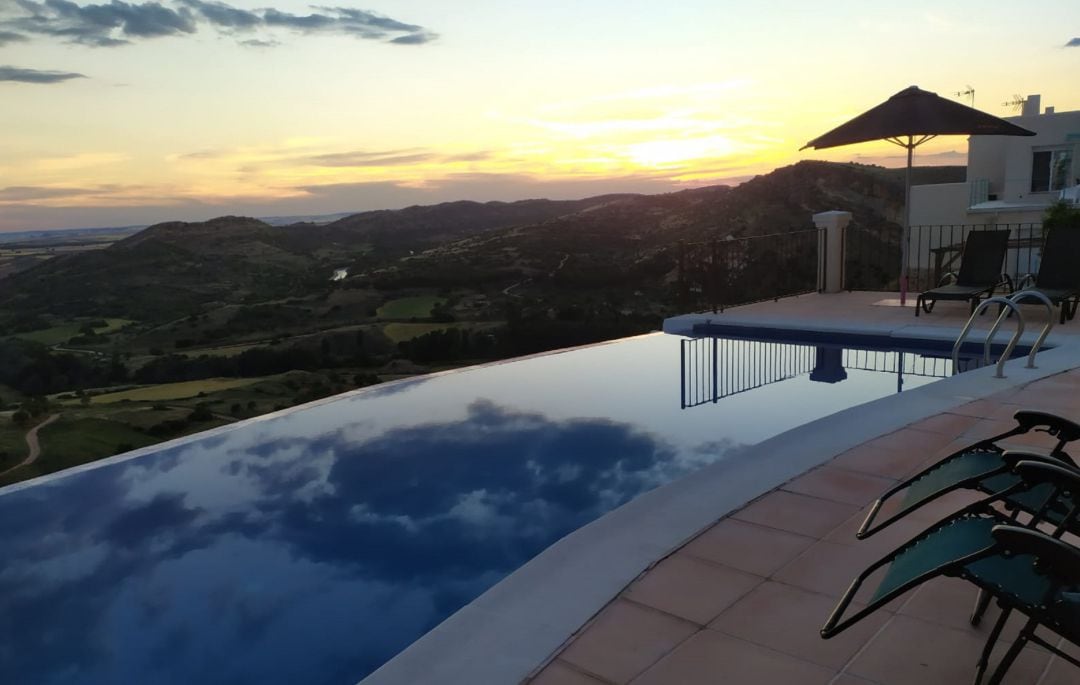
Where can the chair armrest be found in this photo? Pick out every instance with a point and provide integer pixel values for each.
(1057, 426)
(1060, 559)
(947, 278)
(1025, 281)
(1061, 475)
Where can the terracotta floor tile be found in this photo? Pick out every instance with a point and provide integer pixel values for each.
(562, 673)
(1061, 672)
(828, 568)
(840, 485)
(847, 679)
(624, 640)
(747, 547)
(879, 461)
(912, 438)
(980, 409)
(884, 540)
(912, 651)
(711, 657)
(987, 428)
(949, 425)
(796, 513)
(789, 620)
(689, 588)
(948, 602)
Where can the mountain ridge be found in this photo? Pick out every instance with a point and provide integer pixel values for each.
(176, 267)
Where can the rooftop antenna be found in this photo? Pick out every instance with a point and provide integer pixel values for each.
(1016, 104)
(968, 92)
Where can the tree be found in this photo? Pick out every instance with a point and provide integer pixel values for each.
(1061, 214)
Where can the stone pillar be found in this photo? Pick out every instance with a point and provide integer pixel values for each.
(831, 254)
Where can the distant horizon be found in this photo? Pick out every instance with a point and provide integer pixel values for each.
(205, 213)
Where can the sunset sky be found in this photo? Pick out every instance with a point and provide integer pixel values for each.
(117, 113)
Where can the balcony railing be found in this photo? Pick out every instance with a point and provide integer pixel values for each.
(872, 254)
(723, 273)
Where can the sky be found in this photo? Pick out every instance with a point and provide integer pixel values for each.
(121, 113)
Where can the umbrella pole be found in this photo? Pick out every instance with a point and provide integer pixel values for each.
(904, 233)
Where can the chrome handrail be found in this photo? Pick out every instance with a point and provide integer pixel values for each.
(1024, 294)
(1005, 302)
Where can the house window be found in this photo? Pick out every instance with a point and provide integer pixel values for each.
(1050, 169)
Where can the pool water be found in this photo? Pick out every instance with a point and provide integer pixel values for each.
(314, 545)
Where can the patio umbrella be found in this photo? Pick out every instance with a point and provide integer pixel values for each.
(909, 119)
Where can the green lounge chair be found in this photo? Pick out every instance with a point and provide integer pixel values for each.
(984, 466)
(980, 272)
(1059, 276)
(1026, 570)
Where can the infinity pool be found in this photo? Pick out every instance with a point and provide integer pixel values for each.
(313, 545)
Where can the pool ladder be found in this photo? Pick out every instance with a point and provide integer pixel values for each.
(1008, 305)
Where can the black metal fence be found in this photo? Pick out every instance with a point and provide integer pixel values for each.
(723, 273)
(872, 254)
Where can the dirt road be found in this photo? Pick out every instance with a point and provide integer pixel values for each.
(33, 444)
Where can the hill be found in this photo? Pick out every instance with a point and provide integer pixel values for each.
(174, 269)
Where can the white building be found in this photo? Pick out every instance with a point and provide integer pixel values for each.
(1010, 179)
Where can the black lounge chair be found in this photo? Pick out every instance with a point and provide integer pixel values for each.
(1059, 270)
(1026, 570)
(980, 272)
(984, 466)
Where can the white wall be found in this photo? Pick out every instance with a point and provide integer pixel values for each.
(1006, 160)
(941, 203)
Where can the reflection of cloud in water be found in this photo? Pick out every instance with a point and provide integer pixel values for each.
(315, 561)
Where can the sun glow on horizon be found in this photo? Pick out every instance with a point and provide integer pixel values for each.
(496, 102)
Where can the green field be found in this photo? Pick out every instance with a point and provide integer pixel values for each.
(68, 442)
(12, 442)
(417, 307)
(174, 391)
(61, 334)
(222, 351)
(399, 332)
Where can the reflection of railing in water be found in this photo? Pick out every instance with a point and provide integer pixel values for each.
(910, 364)
(714, 368)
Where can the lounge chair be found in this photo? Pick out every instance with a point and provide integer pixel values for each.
(1059, 270)
(1026, 570)
(984, 466)
(980, 272)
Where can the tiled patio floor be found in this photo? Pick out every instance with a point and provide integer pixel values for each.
(742, 603)
(860, 309)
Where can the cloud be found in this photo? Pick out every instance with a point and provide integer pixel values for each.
(414, 38)
(259, 43)
(7, 37)
(103, 25)
(26, 193)
(220, 14)
(384, 158)
(20, 75)
(1074, 43)
(304, 527)
(365, 159)
(119, 23)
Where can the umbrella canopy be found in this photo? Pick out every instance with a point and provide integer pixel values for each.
(909, 119)
(916, 113)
